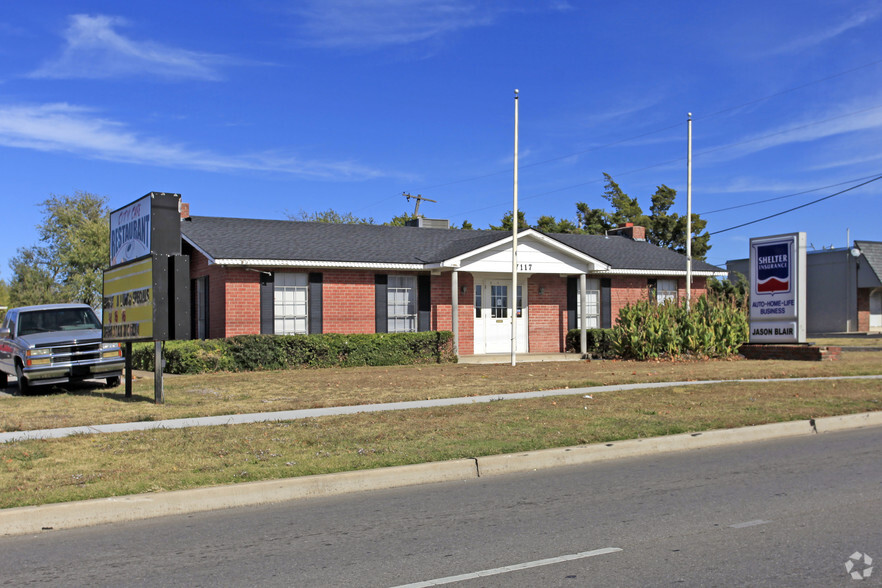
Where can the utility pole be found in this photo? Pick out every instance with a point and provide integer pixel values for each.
(418, 198)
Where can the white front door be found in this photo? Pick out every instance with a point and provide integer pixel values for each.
(493, 320)
(876, 310)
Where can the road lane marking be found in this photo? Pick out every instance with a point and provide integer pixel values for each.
(749, 524)
(511, 568)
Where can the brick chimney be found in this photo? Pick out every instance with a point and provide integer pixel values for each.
(185, 210)
(637, 233)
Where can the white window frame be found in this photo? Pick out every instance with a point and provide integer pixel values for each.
(592, 288)
(401, 304)
(666, 290)
(291, 303)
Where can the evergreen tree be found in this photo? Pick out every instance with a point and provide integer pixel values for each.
(507, 222)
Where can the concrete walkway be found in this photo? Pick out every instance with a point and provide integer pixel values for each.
(290, 415)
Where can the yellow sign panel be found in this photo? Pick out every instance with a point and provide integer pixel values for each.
(128, 302)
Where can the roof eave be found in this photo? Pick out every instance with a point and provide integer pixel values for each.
(270, 263)
(656, 272)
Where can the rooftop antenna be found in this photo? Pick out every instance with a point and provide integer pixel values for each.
(418, 198)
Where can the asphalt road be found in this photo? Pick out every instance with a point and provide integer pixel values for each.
(781, 513)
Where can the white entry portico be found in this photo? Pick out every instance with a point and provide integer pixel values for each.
(490, 267)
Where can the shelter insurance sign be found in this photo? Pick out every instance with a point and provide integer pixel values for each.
(777, 289)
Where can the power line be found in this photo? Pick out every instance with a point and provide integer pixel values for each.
(797, 207)
(766, 200)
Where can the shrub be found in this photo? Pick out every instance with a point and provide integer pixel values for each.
(272, 352)
(598, 341)
(712, 327)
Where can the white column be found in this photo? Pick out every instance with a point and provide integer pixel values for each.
(583, 313)
(454, 310)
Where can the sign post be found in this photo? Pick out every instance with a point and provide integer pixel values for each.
(147, 287)
(777, 289)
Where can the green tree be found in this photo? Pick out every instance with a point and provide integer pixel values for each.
(401, 219)
(506, 224)
(593, 221)
(663, 228)
(329, 216)
(625, 208)
(4, 298)
(466, 226)
(736, 290)
(548, 224)
(68, 263)
(34, 281)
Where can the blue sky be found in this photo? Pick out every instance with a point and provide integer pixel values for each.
(258, 109)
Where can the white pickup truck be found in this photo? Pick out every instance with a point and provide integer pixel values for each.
(56, 343)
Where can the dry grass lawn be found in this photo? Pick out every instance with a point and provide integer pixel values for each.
(219, 394)
(92, 466)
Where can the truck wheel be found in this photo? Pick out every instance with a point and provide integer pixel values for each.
(4, 380)
(23, 385)
(113, 382)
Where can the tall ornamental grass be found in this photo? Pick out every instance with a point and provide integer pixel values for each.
(713, 327)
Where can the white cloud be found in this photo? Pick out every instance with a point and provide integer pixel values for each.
(852, 119)
(834, 30)
(61, 127)
(375, 23)
(95, 49)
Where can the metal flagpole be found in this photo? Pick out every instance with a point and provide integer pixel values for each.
(514, 244)
(689, 214)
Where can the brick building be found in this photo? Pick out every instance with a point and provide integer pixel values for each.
(287, 277)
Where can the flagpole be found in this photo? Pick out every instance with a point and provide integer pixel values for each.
(514, 243)
(689, 213)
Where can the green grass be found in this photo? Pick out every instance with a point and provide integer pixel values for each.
(93, 466)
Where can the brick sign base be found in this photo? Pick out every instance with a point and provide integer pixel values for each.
(792, 352)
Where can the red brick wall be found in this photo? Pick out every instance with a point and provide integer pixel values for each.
(442, 319)
(863, 309)
(348, 301)
(547, 313)
(233, 297)
(625, 290)
(199, 267)
(349, 298)
(241, 301)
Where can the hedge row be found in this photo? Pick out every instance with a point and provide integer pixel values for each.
(275, 352)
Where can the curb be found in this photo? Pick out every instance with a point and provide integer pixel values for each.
(68, 515)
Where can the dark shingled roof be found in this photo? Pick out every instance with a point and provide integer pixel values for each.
(872, 251)
(280, 240)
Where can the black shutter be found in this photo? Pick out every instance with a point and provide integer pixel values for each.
(572, 302)
(605, 303)
(267, 303)
(381, 311)
(315, 302)
(424, 303)
(206, 308)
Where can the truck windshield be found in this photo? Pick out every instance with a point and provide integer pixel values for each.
(57, 319)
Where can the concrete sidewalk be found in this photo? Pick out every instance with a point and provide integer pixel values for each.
(291, 415)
